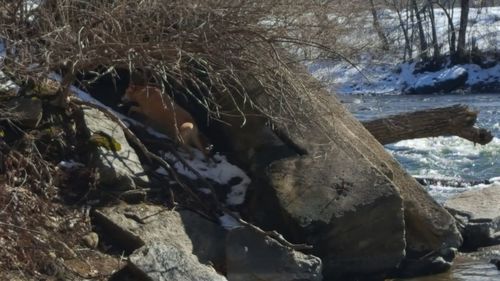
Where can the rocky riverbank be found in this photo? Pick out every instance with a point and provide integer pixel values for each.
(347, 208)
(382, 76)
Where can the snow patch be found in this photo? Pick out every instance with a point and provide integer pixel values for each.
(70, 165)
(219, 170)
(228, 222)
(430, 78)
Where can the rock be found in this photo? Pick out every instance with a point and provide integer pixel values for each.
(132, 226)
(253, 256)
(337, 212)
(496, 262)
(118, 168)
(445, 80)
(26, 111)
(91, 240)
(163, 261)
(427, 266)
(321, 190)
(337, 188)
(478, 212)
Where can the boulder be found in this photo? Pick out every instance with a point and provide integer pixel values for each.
(163, 261)
(478, 213)
(433, 263)
(252, 256)
(496, 262)
(445, 80)
(133, 226)
(118, 164)
(335, 187)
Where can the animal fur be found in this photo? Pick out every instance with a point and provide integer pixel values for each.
(163, 114)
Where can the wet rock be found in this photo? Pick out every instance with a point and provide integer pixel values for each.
(27, 112)
(425, 266)
(118, 166)
(133, 226)
(496, 262)
(163, 261)
(252, 256)
(478, 213)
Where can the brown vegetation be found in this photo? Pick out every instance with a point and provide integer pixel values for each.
(205, 47)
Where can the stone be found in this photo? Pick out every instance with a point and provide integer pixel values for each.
(117, 168)
(426, 266)
(27, 112)
(91, 240)
(445, 80)
(162, 261)
(133, 226)
(496, 262)
(478, 212)
(336, 214)
(253, 256)
(336, 187)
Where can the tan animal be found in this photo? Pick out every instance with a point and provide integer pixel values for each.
(165, 116)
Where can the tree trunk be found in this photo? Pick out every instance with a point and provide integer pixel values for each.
(404, 29)
(462, 32)
(457, 120)
(435, 44)
(378, 28)
(421, 33)
(452, 32)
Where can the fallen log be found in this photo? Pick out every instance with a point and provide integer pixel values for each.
(456, 120)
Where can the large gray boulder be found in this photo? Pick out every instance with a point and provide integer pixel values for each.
(118, 165)
(165, 262)
(478, 212)
(331, 184)
(133, 226)
(252, 256)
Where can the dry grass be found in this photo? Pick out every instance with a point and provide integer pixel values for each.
(200, 46)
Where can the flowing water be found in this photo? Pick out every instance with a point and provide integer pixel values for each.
(443, 157)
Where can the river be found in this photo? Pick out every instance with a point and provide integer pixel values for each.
(443, 157)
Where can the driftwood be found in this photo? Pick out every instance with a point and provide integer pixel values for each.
(456, 120)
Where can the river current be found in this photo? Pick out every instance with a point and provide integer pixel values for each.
(449, 158)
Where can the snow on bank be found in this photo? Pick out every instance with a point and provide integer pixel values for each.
(429, 79)
(386, 74)
(375, 77)
(479, 75)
